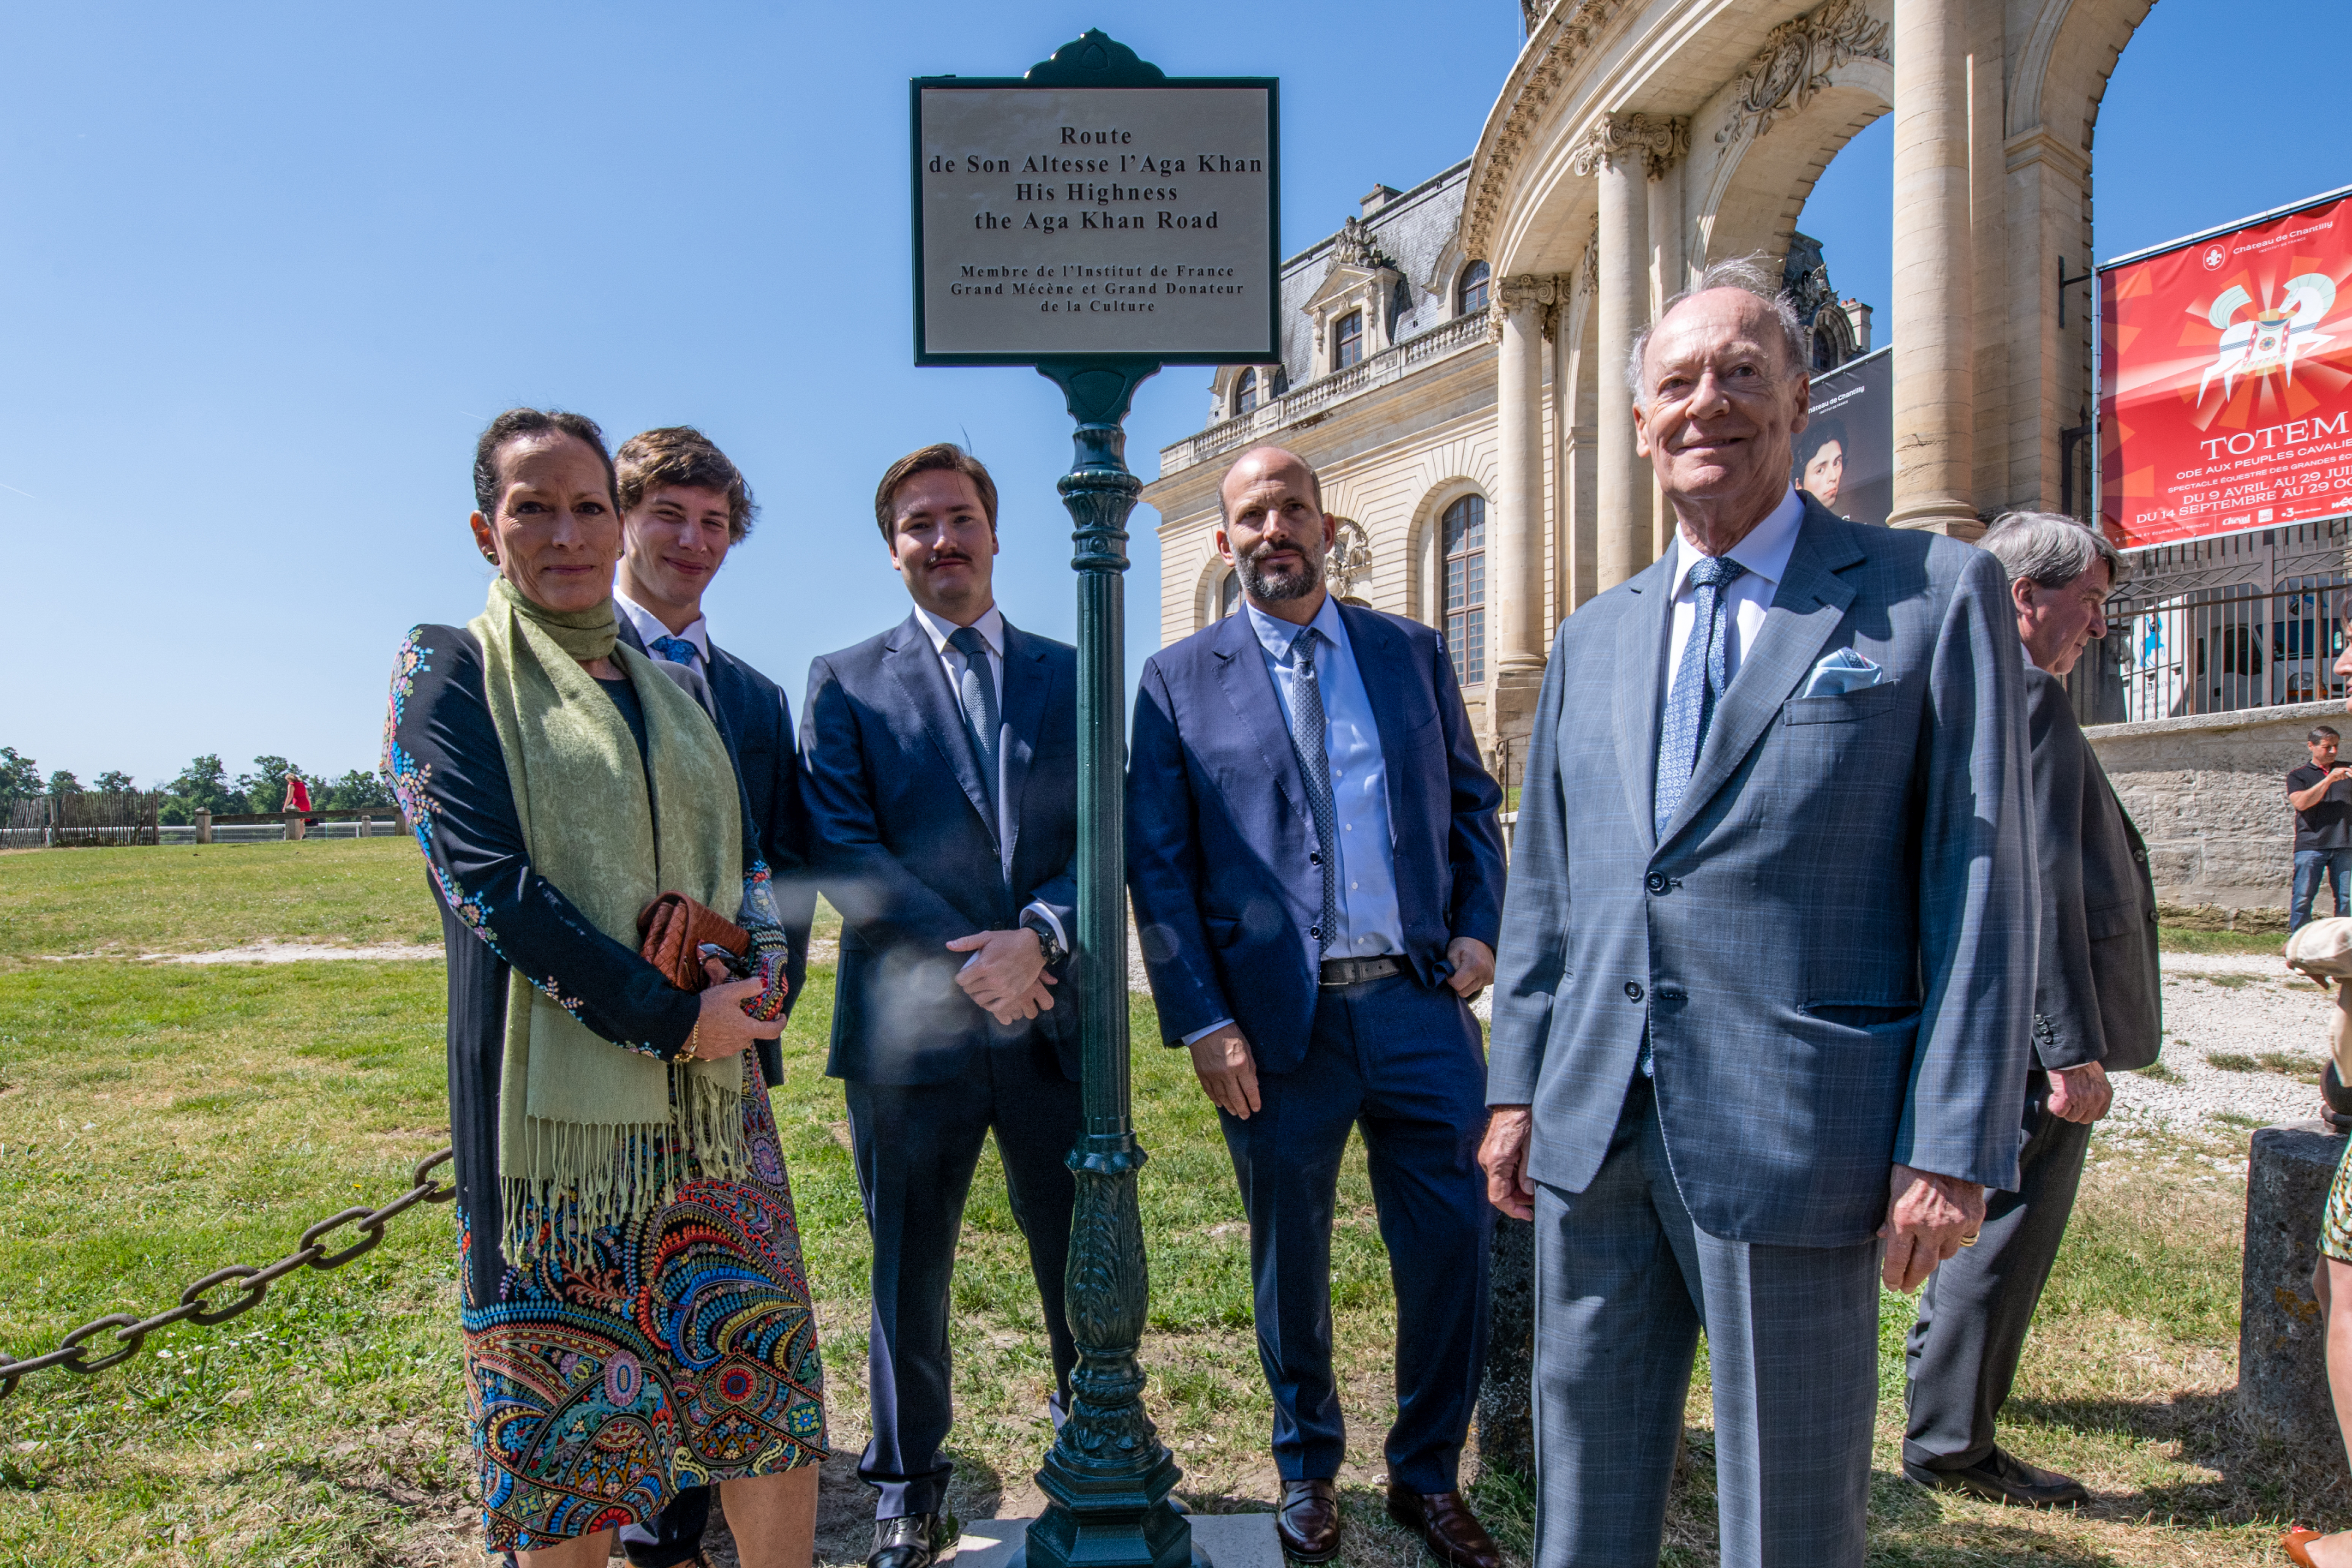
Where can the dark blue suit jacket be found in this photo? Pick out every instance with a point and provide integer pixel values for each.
(757, 719)
(1217, 821)
(903, 844)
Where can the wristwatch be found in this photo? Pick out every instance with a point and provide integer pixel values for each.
(1054, 951)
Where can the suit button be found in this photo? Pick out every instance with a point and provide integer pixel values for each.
(1315, 932)
(1313, 859)
(1633, 991)
(1655, 881)
(2151, 917)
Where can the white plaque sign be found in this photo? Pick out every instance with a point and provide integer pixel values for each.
(1063, 222)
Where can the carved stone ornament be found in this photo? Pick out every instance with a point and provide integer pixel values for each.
(1564, 36)
(1795, 63)
(1354, 248)
(1657, 140)
(1588, 275)
(1516, 293)
(1349, 566)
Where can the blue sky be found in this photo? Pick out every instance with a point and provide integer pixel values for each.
(266, 271)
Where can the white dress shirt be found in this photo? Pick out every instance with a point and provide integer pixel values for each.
(649, 627)
(990, 628)
(1765, 552)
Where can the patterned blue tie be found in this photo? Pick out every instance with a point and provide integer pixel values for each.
(677, 650)
(1314, 763)
(977, 691)
(1698, 682)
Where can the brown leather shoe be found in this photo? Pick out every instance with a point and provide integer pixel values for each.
(1446, 1526)
(1308, 1522)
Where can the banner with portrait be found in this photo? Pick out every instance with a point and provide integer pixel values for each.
(2225, 375)
(1845, 454)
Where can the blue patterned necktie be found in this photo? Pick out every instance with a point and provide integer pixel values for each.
(1314, 763)
(677, 650)
(977, 691)
(1699, 682)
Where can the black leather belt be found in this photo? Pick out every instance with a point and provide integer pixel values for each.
(1356, 971)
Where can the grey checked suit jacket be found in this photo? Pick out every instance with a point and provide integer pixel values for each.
(1833, 946)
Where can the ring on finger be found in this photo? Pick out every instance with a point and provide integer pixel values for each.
(1970, 1239)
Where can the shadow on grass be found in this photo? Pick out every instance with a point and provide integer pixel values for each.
(2261, 1478)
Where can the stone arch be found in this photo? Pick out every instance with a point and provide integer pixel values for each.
(1204, 590)
(1749, 198)
(1424, 574)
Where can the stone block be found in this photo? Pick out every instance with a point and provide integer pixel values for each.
(1507, 1434)
(2281, 1335)
(1225, 1539)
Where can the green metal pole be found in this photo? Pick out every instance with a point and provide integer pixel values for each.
(1109, 1475)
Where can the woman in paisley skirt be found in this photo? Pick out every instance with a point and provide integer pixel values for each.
(635, 1314)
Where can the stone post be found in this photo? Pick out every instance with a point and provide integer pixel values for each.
(293, 824)
(1934, 266)
(2282, 1336)
(204, 826)
(1626, 151)
(1514, 584)
(1506, 1432)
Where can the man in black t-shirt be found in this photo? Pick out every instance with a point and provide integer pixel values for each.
(2321, 793)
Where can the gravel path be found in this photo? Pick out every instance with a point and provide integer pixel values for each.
(2250, 1010)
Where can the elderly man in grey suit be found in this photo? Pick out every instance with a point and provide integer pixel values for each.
(2097, 1008)
(1767, 974)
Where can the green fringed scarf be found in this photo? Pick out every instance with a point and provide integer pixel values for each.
(592, 1133)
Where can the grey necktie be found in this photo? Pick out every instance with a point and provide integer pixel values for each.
(1698, 682)
(1314, 763)
(977, 692)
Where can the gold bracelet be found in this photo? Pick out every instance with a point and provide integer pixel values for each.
(686, 1052)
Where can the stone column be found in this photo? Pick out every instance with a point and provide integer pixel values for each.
(1626, 151)
(1514, 558)
(1935, 267)
(1665, 282)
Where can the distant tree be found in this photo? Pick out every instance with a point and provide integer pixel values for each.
(264, 788)
(62, 781)
(20, 776)
(355, 791)
(114, 782)
(173, 812)
(203, 786)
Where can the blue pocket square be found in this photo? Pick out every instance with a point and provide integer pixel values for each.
(1842, 671)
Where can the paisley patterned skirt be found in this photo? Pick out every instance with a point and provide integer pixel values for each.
(682, 1353)
(2335, 1226)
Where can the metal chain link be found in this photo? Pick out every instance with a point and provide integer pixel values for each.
(254, 1283)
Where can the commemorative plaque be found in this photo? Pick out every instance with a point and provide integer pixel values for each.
(1054, 222)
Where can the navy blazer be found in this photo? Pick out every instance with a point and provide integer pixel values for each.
(903, 844)
(1217, 822)
(1830, 947)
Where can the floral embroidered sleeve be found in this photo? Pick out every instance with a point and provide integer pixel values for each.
(449, 776)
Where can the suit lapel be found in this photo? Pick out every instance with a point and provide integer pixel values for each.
(1378, 658)
(1806, 611)
(1636, 717)
(1028, 680)
(1249, 687)
(915, 665)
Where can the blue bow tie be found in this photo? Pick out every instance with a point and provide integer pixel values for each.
(677, 650)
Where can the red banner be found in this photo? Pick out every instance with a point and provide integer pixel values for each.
(2226, 370)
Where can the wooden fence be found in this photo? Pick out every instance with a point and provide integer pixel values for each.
(82, 819)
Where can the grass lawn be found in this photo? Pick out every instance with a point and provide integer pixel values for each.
(2252, 943)
(159, 1120)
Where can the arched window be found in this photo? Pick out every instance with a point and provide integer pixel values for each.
(1348, 336)
(1465, 534)
(1470, 294)
(1229, 594)
(1245, 392)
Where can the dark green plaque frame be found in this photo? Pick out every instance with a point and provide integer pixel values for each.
(1108, 1476)
(1095, 60)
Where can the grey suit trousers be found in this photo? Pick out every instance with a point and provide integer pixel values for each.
(1963, 1352)
(1623, 1284)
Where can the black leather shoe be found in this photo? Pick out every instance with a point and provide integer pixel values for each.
(912, 1540)
(1308, 1522)
(1446, 1526)
(2003, 1478)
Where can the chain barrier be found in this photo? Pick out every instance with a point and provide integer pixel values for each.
(131, 1333)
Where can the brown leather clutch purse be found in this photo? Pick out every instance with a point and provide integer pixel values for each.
(674, 929)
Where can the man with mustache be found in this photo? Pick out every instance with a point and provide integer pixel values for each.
(940, 762)
(1763, 1011)
(684, 507)
(1318, 877)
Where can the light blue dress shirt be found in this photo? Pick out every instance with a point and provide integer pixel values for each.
(1369, 921)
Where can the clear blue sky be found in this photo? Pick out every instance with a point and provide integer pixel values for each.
(268, 269)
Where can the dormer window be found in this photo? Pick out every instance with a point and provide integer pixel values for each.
(1348, 340)
(1470, 294)
(1245, 392)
